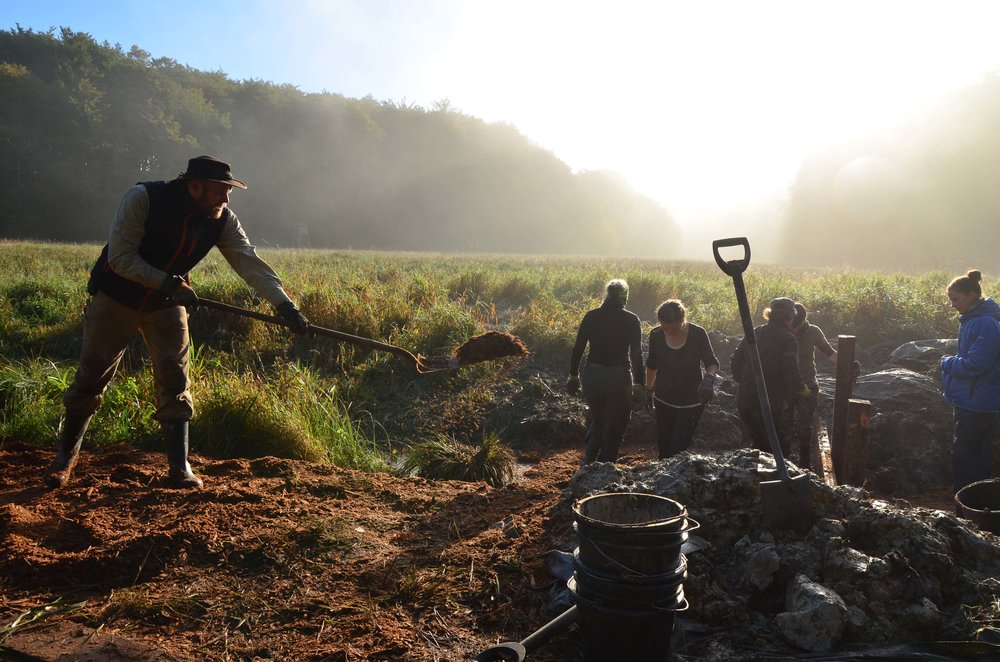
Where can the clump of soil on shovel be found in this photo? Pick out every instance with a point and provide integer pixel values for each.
(489, 346)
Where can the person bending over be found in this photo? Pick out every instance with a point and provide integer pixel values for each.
(140, 283)
(678, 350)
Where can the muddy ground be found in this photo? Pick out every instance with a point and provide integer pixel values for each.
(284, 560)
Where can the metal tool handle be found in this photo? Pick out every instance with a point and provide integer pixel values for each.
(735, 269)
(732, 267)
(557, 625)
(765, 411)
(313, 329)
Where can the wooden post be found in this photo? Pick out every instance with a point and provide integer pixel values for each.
(856, 456)
(845, 377)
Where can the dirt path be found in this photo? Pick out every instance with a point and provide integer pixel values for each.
(273, 559)
(278, 559)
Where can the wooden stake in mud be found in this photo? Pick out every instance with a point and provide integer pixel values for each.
(845, 380)
(856, 455)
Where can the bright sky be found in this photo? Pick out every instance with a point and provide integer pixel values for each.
(705, 105)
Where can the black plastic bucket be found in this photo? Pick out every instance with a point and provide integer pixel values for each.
(631, 514)
(631, 534)
(636, 556)
(980, 502)
(625, 635)
(611, 590)
(629, 574)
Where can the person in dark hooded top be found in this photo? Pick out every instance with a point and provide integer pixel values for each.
(971, 379)
(779, 361)
(614, 370)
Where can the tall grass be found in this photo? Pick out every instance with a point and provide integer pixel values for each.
(260, 390)
(446, 458)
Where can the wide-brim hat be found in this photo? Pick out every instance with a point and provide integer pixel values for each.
(782, 305)
(211, 169)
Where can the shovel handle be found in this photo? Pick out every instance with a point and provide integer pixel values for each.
(732, 267)
(550, 629)
(735, 269)
(367, 343)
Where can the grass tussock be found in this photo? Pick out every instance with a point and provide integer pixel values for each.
(445, 458)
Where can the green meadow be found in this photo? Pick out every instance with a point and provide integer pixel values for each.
(262, 391)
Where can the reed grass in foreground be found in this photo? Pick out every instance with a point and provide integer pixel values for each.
(259, 390)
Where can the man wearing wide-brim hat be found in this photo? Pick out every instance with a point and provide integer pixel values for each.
(141, 283)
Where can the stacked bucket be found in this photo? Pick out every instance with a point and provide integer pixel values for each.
(628, 574)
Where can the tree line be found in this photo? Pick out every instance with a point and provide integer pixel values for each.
(80, 121)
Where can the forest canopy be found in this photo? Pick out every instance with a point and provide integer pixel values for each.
(81, 121)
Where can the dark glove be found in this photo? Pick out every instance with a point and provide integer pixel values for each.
(638, 397)
(573, 384)
(297, 322)
(179, 291)
(649, 400)
(707, 389)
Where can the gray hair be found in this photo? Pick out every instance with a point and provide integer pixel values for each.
(617, 290)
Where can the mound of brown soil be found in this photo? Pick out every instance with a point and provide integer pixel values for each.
(272, 559)
(490, 346)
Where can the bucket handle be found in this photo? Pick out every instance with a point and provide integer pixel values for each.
(690, 525)
(627, 571)
(652, 607)
(683, 607)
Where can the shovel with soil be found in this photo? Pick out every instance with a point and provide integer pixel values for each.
(489, 346)
(788, 501)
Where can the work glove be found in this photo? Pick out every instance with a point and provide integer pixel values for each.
(638, 397)
(706, 391)
(297, 322)
(179, 291)
(573, 384)
(649, 400)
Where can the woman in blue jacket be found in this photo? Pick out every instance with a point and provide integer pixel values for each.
(971, 379)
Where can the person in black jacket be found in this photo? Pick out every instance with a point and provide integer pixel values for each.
(141, 283)
(613, 374)
(779, 361)
(674, 380)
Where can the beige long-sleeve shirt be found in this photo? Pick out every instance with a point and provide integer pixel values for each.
(129, 227)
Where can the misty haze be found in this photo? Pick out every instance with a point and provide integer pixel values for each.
(82, 121)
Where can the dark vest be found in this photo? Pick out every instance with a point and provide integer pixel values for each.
(177, 237)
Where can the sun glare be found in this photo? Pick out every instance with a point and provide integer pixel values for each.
(704, 105)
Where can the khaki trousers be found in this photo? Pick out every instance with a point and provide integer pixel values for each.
(107, 331)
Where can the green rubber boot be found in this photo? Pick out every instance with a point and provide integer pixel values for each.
(175, 441)
(67, 449)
